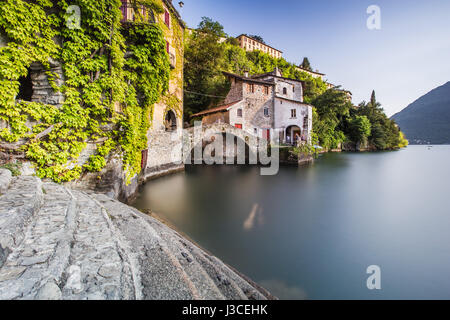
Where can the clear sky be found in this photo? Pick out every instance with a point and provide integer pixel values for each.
(408, 57)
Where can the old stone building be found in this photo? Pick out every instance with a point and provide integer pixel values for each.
(164, 153)
(268, 106)
(250, 44)
(166, 115)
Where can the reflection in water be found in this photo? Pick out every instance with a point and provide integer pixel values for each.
(255, 217)
(316, 229)
(282, 291)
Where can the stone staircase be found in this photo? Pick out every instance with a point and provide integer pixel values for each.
(58, 243)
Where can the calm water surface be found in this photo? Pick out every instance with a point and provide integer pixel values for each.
(312, 232)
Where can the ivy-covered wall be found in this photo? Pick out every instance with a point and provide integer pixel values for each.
(113, 75)
(164, 146)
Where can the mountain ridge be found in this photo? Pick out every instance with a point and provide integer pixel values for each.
(427, 119)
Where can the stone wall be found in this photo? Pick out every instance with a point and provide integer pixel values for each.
(42, 90)
(236, 92)
(253, 119)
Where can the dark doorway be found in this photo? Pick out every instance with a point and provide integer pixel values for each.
(25, 88)
(170, 121)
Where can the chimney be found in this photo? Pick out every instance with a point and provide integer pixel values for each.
(277, 72)
(246, 74)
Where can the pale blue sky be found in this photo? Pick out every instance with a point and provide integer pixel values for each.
(408, 57)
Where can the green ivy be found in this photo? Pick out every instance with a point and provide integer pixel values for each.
(113, 74)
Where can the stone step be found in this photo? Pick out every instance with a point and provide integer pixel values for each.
(44, 251)
(196, 263)
(232, 287)
(205, 285)
(21, 199)
(229, 282)
(5, 180)
(98, 266)
(161, 275)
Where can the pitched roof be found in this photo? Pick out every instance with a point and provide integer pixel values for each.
(248, 79)
(224, 107)
(272, 74)
(311, 71)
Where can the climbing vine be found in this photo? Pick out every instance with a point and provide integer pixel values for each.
(113, 74)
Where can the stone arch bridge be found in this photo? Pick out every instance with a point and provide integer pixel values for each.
(221, 141)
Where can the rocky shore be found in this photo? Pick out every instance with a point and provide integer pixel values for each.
(61, 243)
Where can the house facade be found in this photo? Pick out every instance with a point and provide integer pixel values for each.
(268, 106)
(164, 151)
(250, 44)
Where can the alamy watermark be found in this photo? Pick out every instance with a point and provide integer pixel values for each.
(73, 17)
(374, 19)
(374, 280)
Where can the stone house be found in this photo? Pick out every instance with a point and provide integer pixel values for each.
(268, 106)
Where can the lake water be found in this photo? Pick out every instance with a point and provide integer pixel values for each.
(311, 232)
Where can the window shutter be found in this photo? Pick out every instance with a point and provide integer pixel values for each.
(167, 18)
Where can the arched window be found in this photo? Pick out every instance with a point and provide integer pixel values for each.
(284, 90)
(266, 112)
(170, 121)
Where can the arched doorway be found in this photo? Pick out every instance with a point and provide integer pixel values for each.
(170, 121)
(293, 135)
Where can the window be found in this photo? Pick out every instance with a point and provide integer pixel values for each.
(239, 113)
(251, 88)
(167, 18)
(167, 47)
(305, 122)
(266, 112)
(266, 90)
(293, 113)
(284, 90)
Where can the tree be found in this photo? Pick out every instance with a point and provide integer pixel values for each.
(332, 108)
(385, 133)
(360, 129)
(305, 64)
(212, 27)
(204, 58)
(257, 38)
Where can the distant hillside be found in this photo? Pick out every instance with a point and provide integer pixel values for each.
(427, 120)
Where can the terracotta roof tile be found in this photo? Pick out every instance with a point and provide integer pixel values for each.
(216, 109)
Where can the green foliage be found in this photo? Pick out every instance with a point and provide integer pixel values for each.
(385, 134)
(203, 77)
(360, 128)
(97, 76)
(331, 108)
(305, 64)
(14, 167)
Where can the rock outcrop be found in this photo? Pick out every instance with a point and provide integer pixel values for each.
(58, 243)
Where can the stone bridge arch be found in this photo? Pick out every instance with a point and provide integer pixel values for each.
(205, 136)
